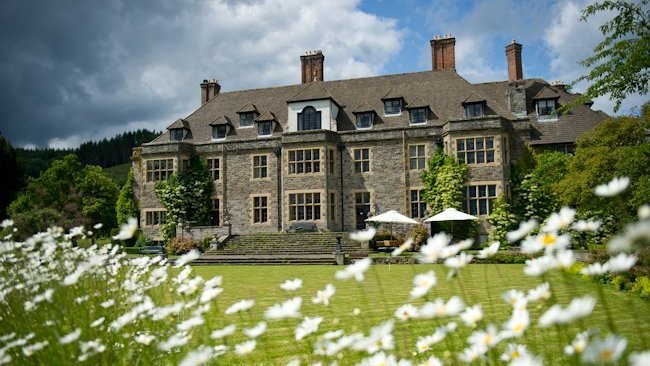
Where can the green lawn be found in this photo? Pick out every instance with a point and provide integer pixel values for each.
(387, 287)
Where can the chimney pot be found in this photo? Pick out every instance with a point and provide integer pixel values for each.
(209, 89)
(443, 55)
(513, 55)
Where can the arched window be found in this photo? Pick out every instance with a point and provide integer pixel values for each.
(309, 119)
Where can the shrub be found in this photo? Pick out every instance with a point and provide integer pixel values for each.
(144, 240)
(506, 257)
(641, 287)
(178, 246)
(130, 250)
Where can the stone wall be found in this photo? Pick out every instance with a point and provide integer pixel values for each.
(202, 232)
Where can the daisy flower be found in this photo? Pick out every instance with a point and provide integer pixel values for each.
(307, 327)
(256, 331)
(363, 235)
(323, 296)
(613, 187)
(291, 285)
(127, 231)
(524, 229)
(245, 348)
(608, 350)
(287, 309)
(356, 270)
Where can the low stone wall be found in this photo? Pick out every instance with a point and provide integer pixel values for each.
(202, 232)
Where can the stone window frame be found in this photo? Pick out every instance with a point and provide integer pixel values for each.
(174, 134)
(414, 111)
(549, 117)
(472, 110)
(260, 128)
(313, 163)
(261, 207)
(359, 117)
(361, 160)
(475, 151)
(254, 167)
(150, 170)
(288, 205)
(154, 217)
(331, 206)
(351, 202)
(331, 161)
(215, 130)
(219, 209)
(490, 199)
(309, 115)
(212, 169)
(392, 101)
(417, 157)
(420, 201)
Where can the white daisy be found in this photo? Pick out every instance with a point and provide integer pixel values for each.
(613, 187)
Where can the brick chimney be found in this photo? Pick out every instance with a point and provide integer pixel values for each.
(442, 52)
(513, 54)
(311, 65)
(209, 90)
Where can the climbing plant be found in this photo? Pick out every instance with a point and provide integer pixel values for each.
(501, 221)
(443, 180)
(126, 206)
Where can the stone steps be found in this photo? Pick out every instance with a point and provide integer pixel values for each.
(281, 248)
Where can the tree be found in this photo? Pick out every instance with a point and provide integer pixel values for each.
(621, 63)
(126, 206)
(443, 180)
(12, 176)
(186, 196)
(501, 221)
(66, 194)
(616, 147)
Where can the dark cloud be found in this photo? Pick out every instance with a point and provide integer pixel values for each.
(72, 70)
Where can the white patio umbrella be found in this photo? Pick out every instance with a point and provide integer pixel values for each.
(392, 217)
(451, 214)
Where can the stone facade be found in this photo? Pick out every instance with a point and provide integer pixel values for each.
(331, 169)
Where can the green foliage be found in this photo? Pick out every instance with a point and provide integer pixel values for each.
(178, 246)
(614, 148)
(186, 196)
(501, 221)
(66, 195)
(119, 173)
(12, 176)
(620, 65)
(641, 287)
(143, 240)
(443, 181)
(506, 257)
(535, 196)
(126, 206)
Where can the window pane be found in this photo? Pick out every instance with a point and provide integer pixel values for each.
(479, 144)
(460, 145)
(413, 164)
(365, 153)
(489, 142)
(470, 158)
(480, 157)
(473, 207)
(470, 144)
(366, 166)
(482, 205)
(492, 190)
(412, 150)
(482, 191)
(490, 156)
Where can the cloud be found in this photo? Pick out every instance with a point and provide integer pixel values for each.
(567, 49)
(73, 70)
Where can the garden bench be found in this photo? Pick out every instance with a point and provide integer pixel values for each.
(387, 245)
(154, 250)
(302, 227)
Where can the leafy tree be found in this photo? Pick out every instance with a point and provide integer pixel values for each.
(501, 221)
(126, 206)
(186, 196)
(616, 147)
(443, 181)
(621, 63)
(12, 176)
(66, 194)
(535, 196)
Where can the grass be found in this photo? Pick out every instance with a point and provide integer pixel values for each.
(387, 287)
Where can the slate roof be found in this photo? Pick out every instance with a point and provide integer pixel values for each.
(546, 93)
(248, 107)
(221, 120)
(442, 91)
(266, 116)
(179, 123)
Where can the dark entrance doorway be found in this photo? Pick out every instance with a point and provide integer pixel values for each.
(362, 208)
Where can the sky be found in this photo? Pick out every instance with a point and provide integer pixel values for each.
(73, 71)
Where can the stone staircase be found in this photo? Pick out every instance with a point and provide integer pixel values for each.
(281, 248)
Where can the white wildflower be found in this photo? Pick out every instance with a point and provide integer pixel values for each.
(70, 337)
(97, 322)
(406, 312)
(578, 344)
(540, 265)
(613, 187)
(644, 212)
(108, 303)
(308, 326)
(489, 251)
(608, 350)
(287, 309)
(216, 281)
(190, 323)
(595, 269)
(255, 331)
(197, 357)
(323, 296)
(639, 358)
(621, 263)
(472, 315)
(174, 341)
(485, 338)
(291, 285)
(245, 348)
(473, 353)
(402, 248)
(98, 226)
(209, 293)
(242, 305)
(559, 220)
(516, 325)
(187, 258)
(423, 282)
(432, 250)
(541, 292)
(564, 259)
(6, 223)
(144, 338)
(587, 226)
(223, 332)
(578, 308)
(439, 308)
(364, 235)
(127, 230)
(356, 270)
(458, 261)
(524, 229)
(29, 350)
(514, 351)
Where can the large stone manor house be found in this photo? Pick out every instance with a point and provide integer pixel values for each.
(330, 153)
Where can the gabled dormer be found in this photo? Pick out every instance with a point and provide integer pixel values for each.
(266, 123)
(178, 130)
(247, 115)
(393, 103)
(419, 111)
(546, 104)
(474, 105)
(364, 116)
(220, 128)
(312, 108)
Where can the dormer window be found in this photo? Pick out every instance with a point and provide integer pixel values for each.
(177, 134)
(265, 128)
(474, 109)
(365, 120)
(309, 119)
(546, 109)
(219, 132)
(246, 119)
(418, 115)
(392, 107)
